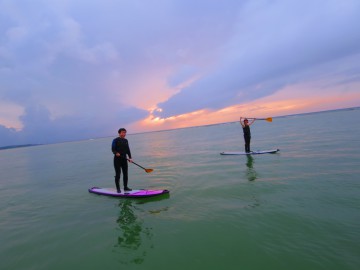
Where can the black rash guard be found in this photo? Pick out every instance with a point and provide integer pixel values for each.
(246, 130)
(121, 146)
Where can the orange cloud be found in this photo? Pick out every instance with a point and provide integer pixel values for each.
(293, 99)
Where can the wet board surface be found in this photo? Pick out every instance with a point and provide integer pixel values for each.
(258, 152)
(135, 193)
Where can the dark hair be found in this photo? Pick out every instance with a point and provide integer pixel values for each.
(121, 129)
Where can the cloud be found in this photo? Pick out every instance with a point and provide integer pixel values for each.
(8, 136)
(80, 69)
(273, 45)
(40, 128)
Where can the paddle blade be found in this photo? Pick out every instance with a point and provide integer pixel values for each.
(149, 170)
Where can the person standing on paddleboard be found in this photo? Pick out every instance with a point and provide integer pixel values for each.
(247, 134)
(121, 150)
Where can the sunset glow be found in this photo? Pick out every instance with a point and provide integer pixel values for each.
(143, 67)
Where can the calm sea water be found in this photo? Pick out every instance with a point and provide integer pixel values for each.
(298, 209)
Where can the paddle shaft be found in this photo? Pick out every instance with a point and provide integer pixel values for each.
(138, 165)
(146, 170)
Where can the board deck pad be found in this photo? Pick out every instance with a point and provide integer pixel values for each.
(258, 152)
(135, 193)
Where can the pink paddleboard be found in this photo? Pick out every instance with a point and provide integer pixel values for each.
(136, 193)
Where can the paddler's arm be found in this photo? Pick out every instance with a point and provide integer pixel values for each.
(252, 121)
(129, 153)
(113, 148)
(241, 122)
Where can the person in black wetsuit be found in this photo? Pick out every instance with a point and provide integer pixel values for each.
(121, 150)
(247, 134)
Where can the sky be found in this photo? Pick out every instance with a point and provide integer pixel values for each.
(74, 70)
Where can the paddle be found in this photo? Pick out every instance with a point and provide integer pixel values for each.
(269, 119)
(146, 170)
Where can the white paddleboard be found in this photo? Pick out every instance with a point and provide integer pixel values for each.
(252, 152)
(135, 193)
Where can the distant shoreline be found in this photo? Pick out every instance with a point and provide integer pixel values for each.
(17, 146)
(316, 112)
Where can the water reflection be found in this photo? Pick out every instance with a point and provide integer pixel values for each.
(251, 176)
(135, 239)
(250, 172)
